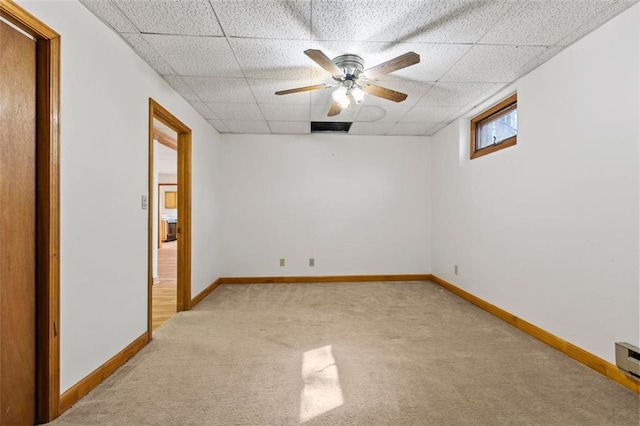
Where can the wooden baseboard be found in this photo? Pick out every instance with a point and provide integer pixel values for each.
(323, 279)
(85, 385)
(204, 293)
(590, 360)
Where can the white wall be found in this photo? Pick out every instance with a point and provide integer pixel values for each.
(548, 229)
(104, 112)
(167, 177)
(357, 204)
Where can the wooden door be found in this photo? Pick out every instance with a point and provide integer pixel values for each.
(17, 227)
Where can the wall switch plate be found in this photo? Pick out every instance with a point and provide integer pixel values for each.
(281, 262)
(144, 203)
(312, 261)
(455, 269)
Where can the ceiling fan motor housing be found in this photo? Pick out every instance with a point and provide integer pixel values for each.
(351, 65)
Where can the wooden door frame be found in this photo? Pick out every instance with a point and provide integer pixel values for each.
(47, 207)
(158, 112)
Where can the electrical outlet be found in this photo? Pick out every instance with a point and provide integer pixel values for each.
(312, 261)
(144, 202)
(455, 269)
(281, 262)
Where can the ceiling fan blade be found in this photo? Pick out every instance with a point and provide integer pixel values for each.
(304, 89)
(334, 109)
(395, 64)
(323, 60)
(385, 93)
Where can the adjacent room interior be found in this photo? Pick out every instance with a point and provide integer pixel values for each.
(390, 204)
(165, 231)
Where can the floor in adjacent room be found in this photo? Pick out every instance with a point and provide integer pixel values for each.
(402, 353)
(164, 292)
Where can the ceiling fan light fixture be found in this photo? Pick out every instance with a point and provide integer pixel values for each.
(358, 94)
(341, 97)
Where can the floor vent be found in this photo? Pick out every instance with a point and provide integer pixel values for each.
(628, 359)
(330, 126)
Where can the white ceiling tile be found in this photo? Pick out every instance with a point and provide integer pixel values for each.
(110, 14)
(248, 127)
(490, 63)
(265, 19)
(370, 128)
(204, 110)
(235, 111)
(438, 21)
(197, 56)
(382, 114)
(410, 129)
(181, 87)
(290, 127)
(272, 59)
(371, 113)
(420, 114)
(596, 20)
(184, 17)
(148, 53)
(365, 20)
(449, 21)
(319, 113)
(542, 22)
(479, 100)
(220, 89)
(456, 94)
(219, 126)
(283, 112)
(264, 91)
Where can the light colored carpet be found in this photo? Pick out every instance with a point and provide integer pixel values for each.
(404, 353)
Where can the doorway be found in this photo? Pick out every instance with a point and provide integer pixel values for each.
(169, 228)
(165, 213)
(36, 187)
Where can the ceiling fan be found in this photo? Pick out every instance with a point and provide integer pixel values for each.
(352, 82)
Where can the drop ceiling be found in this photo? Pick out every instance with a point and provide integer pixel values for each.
(227, 58)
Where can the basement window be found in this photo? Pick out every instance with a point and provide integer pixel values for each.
(495, 128)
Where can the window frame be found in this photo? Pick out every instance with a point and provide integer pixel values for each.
(494, 110)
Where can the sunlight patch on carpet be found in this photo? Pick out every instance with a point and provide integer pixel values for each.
(322, 391)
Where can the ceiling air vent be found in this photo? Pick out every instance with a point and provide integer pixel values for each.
(330, 126)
